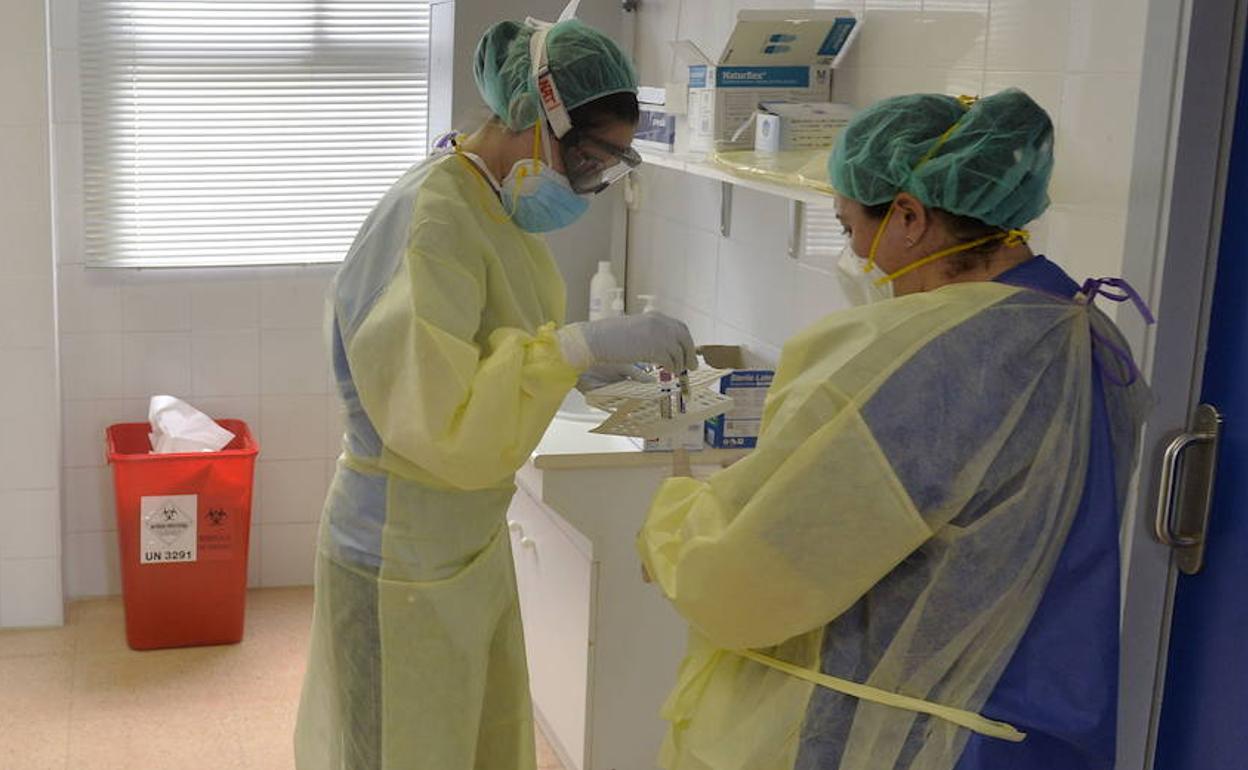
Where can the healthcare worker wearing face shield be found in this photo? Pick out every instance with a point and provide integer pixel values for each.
(451, 359)
(918, 567)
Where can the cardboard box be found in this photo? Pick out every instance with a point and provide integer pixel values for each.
(748, 388)
(656, 130)
(771, 56)
(691, 440)
(783, 127)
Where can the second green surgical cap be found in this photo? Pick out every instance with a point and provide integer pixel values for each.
(585, 64)
(994, 165)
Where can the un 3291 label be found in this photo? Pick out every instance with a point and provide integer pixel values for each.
(169, 528)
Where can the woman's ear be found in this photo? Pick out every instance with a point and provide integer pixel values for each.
(915, 220)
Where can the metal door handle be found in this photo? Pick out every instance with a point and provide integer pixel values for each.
(1185, 500)
(1163, 525)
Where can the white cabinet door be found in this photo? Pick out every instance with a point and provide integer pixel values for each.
(555, 580)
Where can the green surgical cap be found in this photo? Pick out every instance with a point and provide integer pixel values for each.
(585, 64)
(994, 166)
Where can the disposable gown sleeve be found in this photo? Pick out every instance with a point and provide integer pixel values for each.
(785, 540)
(466, 412)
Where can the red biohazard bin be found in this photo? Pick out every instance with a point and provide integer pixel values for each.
(183, 522)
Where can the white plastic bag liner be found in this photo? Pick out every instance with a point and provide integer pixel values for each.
(179, 427)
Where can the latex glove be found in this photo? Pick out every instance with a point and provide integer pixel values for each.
(650, 337)
(602, 375)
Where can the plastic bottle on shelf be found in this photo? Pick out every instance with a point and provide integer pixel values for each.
(600, 289)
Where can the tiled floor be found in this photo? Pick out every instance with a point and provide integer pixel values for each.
(76, 698)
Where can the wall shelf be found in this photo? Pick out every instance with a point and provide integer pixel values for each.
(700, 165)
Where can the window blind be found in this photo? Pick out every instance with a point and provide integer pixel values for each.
(824, 237)
(243, 132)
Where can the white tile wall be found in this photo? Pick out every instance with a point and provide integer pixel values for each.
(1080, 60)
(243, 344)
(238, 343)
(30, 522)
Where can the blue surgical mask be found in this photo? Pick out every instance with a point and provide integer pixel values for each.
(539, 198)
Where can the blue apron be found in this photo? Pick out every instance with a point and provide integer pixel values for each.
(1061, 686)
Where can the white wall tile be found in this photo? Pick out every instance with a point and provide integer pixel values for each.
(225, 363)
(292, 427)
(1087, 244)
(291, 299)
(1095, 141)
(32, 593)
(225, 305)
(27, 319)
(23, 28)
(91, 365)
(293, 491)
(758, 352)
(67, 157)
(670, 240)
(694, 201)
(90, 300)
(642, 272)
(23, 85)
(245, 408)
(66, 86)
(152, 304)
(701, 270)
(24, 155)
(253, 558)
(63, 17)
(30, 524)
(818, 294)
(862, 87)
(156, 364)
(28, 384)
(83, 425)
(27, 228)
(701, 325)
(759, 220)
(287, 554)
(30, 455)
(1106, 36)
(1025, 35)
(293, 361)
(92, 564)
(653, 55)
(68, 226)
(90, 503)
(756, 291)
(890, 38)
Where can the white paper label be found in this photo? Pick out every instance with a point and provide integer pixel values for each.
(169, 527)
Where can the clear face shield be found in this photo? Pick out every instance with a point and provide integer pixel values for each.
(592, 165)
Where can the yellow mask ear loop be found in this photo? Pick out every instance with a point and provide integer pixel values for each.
(1010, 237)
(537, 156)
(490, 193)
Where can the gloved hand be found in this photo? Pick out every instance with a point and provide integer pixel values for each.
(602, 375)
(650, 337)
